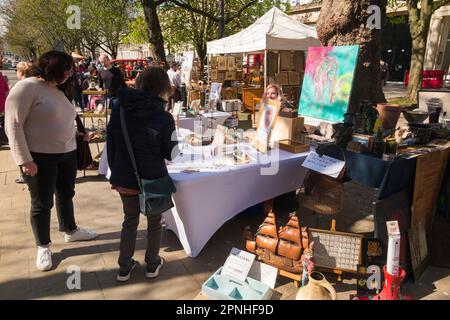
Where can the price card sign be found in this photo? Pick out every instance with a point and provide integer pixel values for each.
(325, 165)
(238, 264)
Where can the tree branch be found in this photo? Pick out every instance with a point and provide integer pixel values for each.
(188, 7)
(239, 12)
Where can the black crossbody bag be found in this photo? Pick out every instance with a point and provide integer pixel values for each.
(155, 196)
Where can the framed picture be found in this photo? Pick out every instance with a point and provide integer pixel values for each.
(444, 95)
(215, 94)
(268, 117)
(214, 74)
(222, 63)
(337, 250)
(231, 63)
(328, 82)
(220, 77)
(213, 62)
(230, 75)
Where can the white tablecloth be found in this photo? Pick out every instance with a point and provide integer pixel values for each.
(205, 200)
(209, 120)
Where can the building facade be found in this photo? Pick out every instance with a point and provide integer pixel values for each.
(396, 38)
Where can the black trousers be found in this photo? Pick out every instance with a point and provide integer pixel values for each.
(56, 176)
(128, 236)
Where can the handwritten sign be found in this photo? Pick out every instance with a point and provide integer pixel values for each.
(325, 165)
(238, 264)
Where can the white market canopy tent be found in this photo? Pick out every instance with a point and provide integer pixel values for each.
(273, 31)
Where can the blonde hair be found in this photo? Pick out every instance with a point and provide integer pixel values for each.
(277, 88)
(23, 66)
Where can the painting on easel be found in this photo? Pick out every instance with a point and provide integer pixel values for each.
(328, 82)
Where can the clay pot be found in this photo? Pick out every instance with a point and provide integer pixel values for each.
(389, 113)
(318, 288)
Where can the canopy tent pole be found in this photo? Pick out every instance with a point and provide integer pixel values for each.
(265, 69)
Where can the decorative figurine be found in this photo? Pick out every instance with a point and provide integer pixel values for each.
(308, 263)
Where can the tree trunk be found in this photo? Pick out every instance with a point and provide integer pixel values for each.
(344, 22)
(154, 29)
(201, 52)
(419, 25)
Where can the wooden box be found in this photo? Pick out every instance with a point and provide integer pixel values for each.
(293, 147)
(248, 95)
(229, 93)
(288, 129)
(365, 140)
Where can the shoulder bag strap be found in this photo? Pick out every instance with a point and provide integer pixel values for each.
(129, 147)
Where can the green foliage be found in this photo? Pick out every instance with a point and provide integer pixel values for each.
(104, 23)
(183, 28)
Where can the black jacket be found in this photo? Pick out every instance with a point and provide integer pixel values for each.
(150, 129)
(112, 80)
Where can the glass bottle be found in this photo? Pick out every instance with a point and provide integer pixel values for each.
(379, 145)
(360, 118)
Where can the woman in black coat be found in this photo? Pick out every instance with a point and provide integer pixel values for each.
(153, 138)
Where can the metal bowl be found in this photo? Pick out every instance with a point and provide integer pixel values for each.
(415, 116)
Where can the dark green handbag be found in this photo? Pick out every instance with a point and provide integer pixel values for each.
(155, 196)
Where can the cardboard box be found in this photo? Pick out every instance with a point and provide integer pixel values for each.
(288, 129)
(294, 78)
(286, 60)
(299, 61)
(282, 78)
(223, 287)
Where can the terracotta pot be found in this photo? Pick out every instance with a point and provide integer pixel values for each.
(318, 288)
(389, 113)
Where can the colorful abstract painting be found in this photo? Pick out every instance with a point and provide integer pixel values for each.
(328, 82)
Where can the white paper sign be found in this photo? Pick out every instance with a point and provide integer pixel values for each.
(325, 165)
(238, 264)
(264, 273)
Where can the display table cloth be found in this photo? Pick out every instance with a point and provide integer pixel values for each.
(205, 200)
(209, 120)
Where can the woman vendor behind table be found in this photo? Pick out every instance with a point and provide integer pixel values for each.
(150, 129)
(275, 92)
(40, 124)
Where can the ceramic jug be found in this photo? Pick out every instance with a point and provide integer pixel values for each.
(318, 288)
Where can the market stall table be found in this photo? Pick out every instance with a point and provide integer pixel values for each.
(205, 200)
(208, 120)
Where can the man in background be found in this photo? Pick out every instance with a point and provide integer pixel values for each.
(175, 82)
(111, 78)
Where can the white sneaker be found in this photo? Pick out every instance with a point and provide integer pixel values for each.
(81, 235)
(44, 259)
